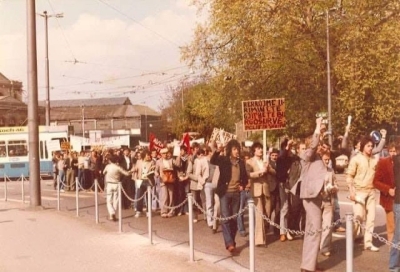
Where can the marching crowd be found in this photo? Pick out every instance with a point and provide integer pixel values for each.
(295, 187)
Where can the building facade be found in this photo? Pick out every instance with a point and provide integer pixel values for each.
(108, 116)
(13, 111)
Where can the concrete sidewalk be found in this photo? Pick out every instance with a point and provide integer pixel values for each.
(47, 240)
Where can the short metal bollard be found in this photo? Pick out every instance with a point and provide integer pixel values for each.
(77, 196)
(120, 206)
(191, 240)
(149, 214)
(349, 242)
(251, 234)
(96, 200)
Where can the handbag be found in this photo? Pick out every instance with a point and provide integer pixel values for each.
(168, 176)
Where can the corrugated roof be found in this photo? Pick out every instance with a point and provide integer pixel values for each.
(4, 79)
(100, 112)
(145, 110)
(115, 101)
(11, 101)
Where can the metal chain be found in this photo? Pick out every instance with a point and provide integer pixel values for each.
(219, 218)
(170, 207)
(83, 189)
(297, 232)
(67, 186)
(131, 199)
(98, 186)
(376, 235)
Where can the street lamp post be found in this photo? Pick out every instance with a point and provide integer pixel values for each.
(328, 71)
(47, 79)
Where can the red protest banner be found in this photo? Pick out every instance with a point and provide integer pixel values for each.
(266, 114)
(154, 143)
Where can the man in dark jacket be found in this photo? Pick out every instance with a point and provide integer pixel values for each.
(232, 180)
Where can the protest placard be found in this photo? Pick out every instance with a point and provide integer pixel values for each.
(53, 145)
(266, 114)
(219, 135)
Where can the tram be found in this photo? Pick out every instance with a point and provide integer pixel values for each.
(14, 149)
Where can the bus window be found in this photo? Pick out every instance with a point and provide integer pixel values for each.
(3, 152)
(17, 148)
(41, 149)
(46, 152)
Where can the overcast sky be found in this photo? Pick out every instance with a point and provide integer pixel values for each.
(101, 48)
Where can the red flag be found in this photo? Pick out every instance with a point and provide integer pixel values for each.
(186, 142)
(154, 143)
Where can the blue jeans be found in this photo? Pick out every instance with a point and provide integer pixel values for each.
(394, 259)
(244, 196)
(81, 177)
(61, 176)
(139, 193)
(230, 203)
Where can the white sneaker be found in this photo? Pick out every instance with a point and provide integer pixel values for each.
(137, 215)
(372, 248)
(289, 236)
(62, 191)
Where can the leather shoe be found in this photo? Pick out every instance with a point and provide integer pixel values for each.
(283, 238)
(340, 229)
(231, 248)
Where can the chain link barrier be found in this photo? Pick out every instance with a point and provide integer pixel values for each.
(375, 235)
(170, 207)
(219, 218)
(86, 190)
(99, 187)
(298, 232)
(131, 199)
(67, 186)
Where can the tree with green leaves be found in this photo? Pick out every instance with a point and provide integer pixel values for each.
(264, 49)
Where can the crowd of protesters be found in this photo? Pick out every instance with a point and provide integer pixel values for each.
(294, 187)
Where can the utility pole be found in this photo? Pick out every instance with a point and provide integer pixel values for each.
(328, 71)
(33, 123)
(47, 79)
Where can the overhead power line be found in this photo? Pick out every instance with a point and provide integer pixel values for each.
(137, 22)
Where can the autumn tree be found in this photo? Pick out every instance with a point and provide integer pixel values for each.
(270, 49)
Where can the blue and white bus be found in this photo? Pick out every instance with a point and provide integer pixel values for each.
(14, 149)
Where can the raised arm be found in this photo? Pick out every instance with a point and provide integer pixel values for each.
(381, 144)
(312, 150)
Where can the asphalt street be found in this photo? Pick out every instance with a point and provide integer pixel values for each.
(101, 246)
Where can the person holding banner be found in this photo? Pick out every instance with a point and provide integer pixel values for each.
(233, 178)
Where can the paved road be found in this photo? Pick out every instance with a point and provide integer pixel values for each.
(170, 235)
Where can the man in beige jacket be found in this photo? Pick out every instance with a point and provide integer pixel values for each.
(257, 171)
